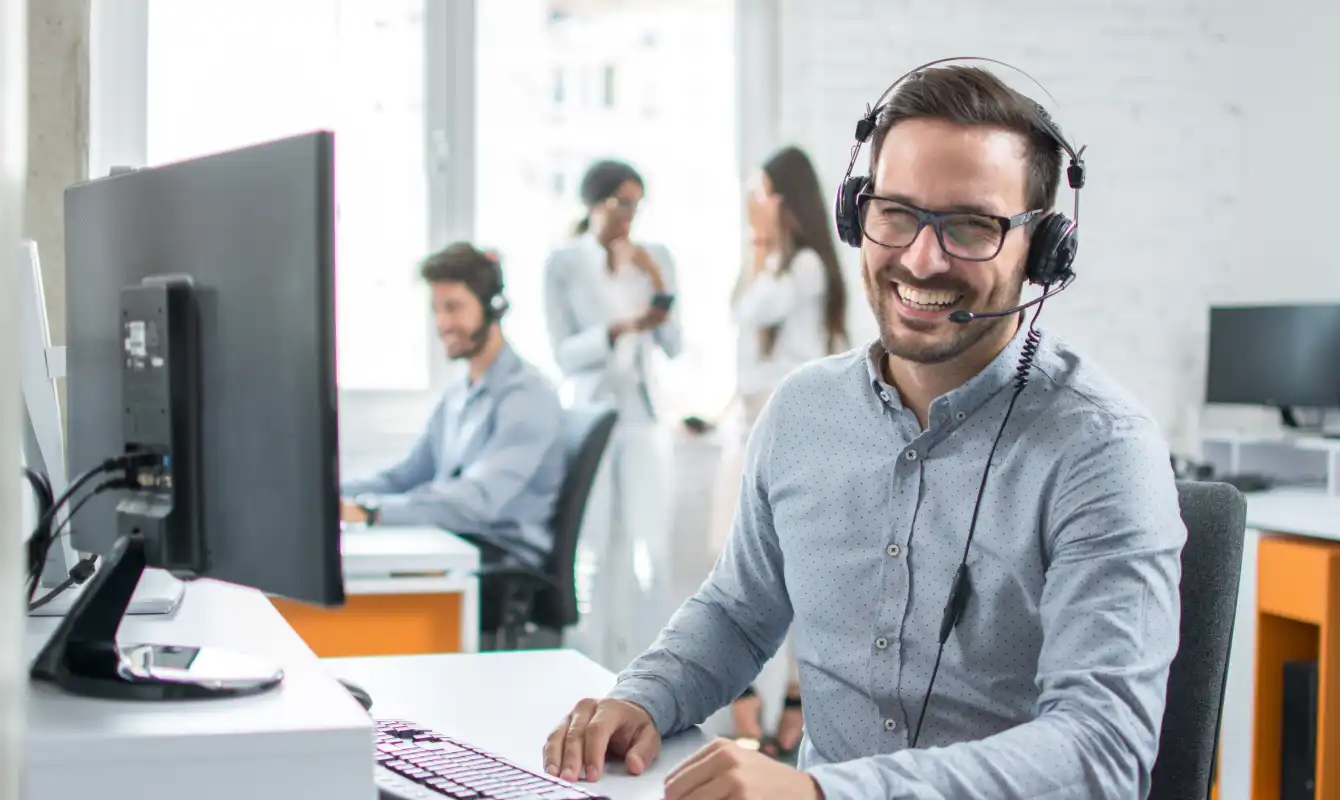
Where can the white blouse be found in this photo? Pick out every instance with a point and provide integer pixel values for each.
(795, 300)
(582, 298)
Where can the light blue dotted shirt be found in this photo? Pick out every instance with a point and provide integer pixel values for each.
(851, 524)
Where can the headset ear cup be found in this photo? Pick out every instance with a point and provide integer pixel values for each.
(1051, 251)
(498, 306)
(847, 212)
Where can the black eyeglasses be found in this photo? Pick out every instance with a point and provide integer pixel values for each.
(971, 237)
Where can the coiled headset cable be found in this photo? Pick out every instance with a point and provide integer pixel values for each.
(962, 588)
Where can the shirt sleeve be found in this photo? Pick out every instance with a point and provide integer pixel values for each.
(417, 468)
(721, 637)
(1110, 614)
(669, 334)
(576, 349)
(528, 423)
(771, 296)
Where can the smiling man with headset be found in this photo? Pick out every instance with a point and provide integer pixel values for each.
(490, 463)
(973, 531)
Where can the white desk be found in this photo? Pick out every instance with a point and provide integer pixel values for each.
(392, 560)
(504, 702)
(1301, 512)
(306, 738)
(409, 590)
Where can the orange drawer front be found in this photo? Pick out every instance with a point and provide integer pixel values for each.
(376, 625)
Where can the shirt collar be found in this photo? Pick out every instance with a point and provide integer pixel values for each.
(960, 403)
(505, 364)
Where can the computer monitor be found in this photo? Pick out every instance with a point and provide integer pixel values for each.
(201, 346)
(1284, 356)
(43, 430)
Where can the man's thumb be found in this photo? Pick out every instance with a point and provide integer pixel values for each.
(646, 745)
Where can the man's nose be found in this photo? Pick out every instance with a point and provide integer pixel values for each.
(924, 257)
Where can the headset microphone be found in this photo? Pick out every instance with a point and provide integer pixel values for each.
(964, 317)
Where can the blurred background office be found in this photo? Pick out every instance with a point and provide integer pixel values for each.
(1209, 181)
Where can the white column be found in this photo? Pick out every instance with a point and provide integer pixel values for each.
(13, 166)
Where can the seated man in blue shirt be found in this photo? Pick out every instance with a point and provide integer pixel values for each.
(972, 532)
(490, 464)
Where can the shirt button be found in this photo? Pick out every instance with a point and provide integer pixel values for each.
(884, 396)
(889, 724)
(893, 550)
(960, 415)
(881, 643)
(910, 455)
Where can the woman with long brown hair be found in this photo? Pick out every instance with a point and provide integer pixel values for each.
(790, 304)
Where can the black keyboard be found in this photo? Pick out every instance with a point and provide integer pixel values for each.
(414, 763)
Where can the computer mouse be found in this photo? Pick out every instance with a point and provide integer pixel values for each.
(360, 694)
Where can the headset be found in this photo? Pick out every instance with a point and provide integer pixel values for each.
(491, 297)
(494, 301)
(1053, 244)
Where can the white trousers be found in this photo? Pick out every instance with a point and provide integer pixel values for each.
(624, 558)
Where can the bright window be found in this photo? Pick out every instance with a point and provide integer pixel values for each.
(228, 73)
(562, 83)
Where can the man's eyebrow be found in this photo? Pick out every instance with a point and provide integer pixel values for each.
(957, 208)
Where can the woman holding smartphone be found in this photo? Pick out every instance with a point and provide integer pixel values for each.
(790, 306)
(609, 304)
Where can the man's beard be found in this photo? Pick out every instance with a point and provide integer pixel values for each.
(952, 339)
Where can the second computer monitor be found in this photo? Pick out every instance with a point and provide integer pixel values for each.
(253, 229)
(1284, 356)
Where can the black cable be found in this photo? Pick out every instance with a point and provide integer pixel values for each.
(81, 571)
(39, 543)
(962, 587)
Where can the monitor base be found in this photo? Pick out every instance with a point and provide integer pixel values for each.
(84, 658)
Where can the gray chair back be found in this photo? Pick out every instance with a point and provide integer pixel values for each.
(586, 434)
(1216, 520)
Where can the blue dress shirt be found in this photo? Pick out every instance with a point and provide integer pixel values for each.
(490, 462)
(851, 524)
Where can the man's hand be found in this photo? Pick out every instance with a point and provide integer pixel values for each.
(594, 728)
(725, 771)
(352, 512)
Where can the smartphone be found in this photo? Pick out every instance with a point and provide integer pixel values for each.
(663, 300)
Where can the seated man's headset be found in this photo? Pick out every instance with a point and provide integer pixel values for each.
(489, 290)
(1053, 243)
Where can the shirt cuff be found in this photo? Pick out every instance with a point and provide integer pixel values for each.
(851, 780)
(651, 695)
(399, 509)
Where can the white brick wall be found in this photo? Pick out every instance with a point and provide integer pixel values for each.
(1176, 213)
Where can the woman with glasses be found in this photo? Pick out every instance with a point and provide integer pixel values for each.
(790, 304)
(609, 304)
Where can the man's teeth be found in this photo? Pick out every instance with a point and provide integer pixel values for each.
(926, 299)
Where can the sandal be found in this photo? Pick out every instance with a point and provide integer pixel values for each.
(790, 706)
(749, 742)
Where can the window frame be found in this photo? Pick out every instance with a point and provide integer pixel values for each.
(375, 425)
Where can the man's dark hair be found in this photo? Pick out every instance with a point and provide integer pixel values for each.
(461, 262)
(973, 96)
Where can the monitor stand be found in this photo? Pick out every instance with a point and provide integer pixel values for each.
(84, 658)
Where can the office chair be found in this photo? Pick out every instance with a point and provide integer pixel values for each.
(547, 598)
(1215, 515)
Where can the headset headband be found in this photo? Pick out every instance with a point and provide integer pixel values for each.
(1074, 173)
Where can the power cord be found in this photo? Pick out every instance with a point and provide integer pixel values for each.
(43, 536)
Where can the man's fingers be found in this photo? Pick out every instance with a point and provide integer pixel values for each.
(694, 777)
(596, 742)
(702, 753)
(646, 745)
(570, 765)
(553, 746)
